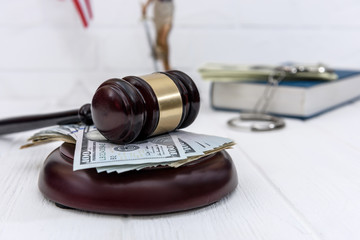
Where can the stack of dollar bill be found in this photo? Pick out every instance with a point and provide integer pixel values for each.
(92, 150)
(237, 72)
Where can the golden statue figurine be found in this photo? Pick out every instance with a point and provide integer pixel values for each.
(163, 17)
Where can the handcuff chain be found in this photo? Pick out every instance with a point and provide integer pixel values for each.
(259, 112)
(268, 94)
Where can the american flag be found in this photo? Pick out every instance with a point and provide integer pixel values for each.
(83, 7)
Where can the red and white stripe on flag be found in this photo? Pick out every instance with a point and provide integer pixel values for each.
(83, 8)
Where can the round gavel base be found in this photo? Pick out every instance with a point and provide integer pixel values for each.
(148, 191)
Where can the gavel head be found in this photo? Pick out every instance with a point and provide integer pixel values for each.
(131, 108)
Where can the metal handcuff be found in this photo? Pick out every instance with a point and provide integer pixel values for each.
(260, 120)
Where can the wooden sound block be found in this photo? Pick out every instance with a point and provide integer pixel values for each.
(148, 191)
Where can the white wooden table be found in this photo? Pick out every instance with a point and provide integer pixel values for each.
(302, 182)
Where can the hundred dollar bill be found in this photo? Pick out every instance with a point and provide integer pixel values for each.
(65, 133)
(207, 144)
(91, 154)
(49, 139)
(237, 72)
(189, 150)
(173, 149)
(193, 145)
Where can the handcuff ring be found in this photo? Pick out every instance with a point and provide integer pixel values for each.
(267, 122)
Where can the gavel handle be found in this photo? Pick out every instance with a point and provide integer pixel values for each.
(24, 123)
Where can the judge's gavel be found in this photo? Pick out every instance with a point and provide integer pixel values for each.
(127, 109)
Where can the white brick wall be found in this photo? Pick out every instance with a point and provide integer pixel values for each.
(46, 53)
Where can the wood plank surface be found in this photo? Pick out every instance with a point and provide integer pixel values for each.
(256, 210)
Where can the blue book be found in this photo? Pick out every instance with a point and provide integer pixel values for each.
(292, 98)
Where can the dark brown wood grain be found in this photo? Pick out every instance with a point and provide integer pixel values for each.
(148, 191)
